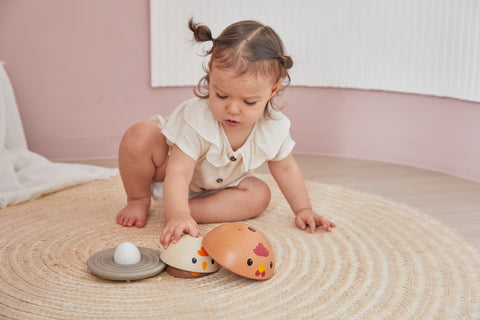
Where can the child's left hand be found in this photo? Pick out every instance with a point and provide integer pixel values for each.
(308, 217)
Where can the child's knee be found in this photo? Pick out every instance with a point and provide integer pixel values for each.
(140, 138)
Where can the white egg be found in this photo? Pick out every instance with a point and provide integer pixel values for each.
(126, 253)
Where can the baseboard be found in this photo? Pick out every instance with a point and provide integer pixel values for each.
(102, 162)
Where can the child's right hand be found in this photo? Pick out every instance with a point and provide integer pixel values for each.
(176, 226)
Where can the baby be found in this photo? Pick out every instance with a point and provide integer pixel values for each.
(206, 151)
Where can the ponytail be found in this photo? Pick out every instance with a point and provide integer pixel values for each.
(285, 61)
(201, 33)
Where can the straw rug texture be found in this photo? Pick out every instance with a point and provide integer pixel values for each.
(384, 261)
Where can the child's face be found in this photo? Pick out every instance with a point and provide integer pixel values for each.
(237, 102)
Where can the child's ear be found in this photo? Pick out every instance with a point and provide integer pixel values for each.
(275, 87)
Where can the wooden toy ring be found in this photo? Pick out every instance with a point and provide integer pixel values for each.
(102, 265)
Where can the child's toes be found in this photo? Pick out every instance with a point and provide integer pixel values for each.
(120, 219)
(130, 221)
(140, 223)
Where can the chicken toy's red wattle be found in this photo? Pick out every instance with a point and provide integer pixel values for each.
(258, 273)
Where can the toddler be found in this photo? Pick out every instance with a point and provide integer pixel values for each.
(205, 152)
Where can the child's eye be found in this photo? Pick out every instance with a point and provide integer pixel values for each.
(250, 103)
(220, 96)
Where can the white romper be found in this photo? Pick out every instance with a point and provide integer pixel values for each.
(194, 130)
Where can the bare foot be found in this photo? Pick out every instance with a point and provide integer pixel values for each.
(134, 214)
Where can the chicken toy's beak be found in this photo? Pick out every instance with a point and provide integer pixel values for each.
(260, 270)
(204, 265)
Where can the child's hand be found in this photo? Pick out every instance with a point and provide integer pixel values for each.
(308, 217)
(176, 226)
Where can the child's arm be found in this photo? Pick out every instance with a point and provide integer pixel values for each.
(178, 219)
(290, 180)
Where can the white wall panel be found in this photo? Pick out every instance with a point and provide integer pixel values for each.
(415, 46)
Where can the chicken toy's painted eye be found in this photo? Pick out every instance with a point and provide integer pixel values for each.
(213, 261)
(194, 260)
(271, 264)
(249, 262)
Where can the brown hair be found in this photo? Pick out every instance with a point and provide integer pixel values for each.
(245, 46)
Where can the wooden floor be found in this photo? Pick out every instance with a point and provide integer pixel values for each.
(453, 200)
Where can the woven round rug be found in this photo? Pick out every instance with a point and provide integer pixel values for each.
(385, 260)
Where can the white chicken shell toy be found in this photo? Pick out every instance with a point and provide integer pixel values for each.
(188, 254)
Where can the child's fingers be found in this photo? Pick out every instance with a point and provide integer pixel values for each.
(313, 221)
(313, 224)
(194, 231)
(178, 234)
(169, 234)
(165, 238)
(324, 223)
(327, 225)
(300, 223)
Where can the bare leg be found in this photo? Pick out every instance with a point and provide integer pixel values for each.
(142, 158)
(249, 199)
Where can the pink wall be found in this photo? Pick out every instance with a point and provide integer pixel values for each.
(80, 70)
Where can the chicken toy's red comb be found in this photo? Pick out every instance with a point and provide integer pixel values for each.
(202, 252)
(260, 250)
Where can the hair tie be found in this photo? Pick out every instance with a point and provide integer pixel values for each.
(285, 61)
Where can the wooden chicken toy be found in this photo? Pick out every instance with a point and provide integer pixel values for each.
(242, 249)
(188, 259)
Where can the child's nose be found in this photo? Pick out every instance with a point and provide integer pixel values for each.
(233, 108)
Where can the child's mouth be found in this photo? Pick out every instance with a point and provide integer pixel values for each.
(231, 123)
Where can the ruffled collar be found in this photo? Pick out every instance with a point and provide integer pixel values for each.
(262, 144)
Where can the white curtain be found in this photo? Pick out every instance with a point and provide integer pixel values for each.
(414, 46)
(25, 175)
